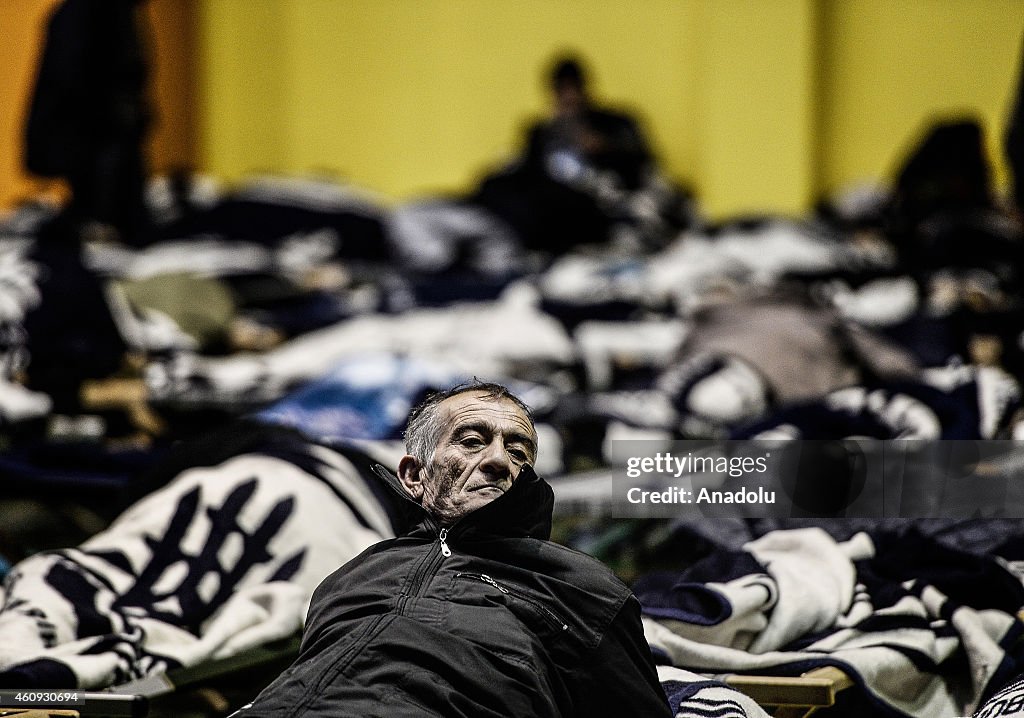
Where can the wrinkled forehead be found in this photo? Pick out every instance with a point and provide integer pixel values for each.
(480, 409)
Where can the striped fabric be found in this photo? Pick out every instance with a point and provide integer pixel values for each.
(221, 559)
(921, 630)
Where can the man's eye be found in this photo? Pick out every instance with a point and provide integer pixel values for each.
(517, 454)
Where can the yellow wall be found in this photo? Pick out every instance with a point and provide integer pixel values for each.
(758, 104)
(753, 118)
(893, 66)
(416, 97)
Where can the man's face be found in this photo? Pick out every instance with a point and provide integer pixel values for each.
(483, 446)
(570, 100)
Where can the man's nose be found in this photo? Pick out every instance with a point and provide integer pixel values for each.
(496, 459)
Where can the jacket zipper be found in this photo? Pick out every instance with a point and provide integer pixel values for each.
(519, 595)
(445, 551)
(426, 568)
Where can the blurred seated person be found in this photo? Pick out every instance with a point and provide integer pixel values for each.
(582, 138)
(586, 176)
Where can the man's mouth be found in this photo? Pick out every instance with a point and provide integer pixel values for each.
(490, 486)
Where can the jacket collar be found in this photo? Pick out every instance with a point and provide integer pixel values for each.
(522, 511)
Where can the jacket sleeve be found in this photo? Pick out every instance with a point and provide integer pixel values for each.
(618, 679)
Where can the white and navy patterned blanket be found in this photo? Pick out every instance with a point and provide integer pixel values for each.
(921, 629)
(695, 696)
(221, 559)
(1008, 703)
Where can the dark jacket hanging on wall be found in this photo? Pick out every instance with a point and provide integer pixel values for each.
(508, 624)
(89, 113)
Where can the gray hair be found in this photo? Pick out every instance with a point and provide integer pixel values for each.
(425, 428)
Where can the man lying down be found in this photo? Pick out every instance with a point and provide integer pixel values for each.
(472, 611)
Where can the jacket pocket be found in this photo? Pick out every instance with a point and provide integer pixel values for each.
(520, 601)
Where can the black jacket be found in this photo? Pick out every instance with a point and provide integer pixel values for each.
(485, 619)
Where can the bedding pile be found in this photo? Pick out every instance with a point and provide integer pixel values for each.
(921, 629)
(314, 307)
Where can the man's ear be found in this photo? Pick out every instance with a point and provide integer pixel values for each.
(409, 474)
